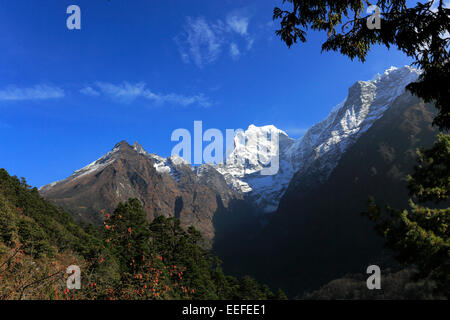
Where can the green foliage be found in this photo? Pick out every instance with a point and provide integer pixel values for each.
(8, 226)
(431, 181)
(181, 248)
(251, 290)
(37, 224)
(421, 32)
(203, 271)
(420, 235)
(129, 242)
(130, 259)
(34, 239)
(169, 247)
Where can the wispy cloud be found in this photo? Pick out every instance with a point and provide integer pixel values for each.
(202, 41)
(234, 51)
(37, 92)
(124, 92)
(238, 24)
(128, 92)
(89, 91)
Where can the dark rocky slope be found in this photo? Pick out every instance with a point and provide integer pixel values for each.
(318, 233)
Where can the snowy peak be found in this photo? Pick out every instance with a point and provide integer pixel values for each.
(253, 145)
(138, 148)
(322, 145)
(95, 166)
(366, 102)
(172, 165)
(268, 129)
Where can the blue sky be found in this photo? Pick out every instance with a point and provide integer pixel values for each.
(137, 70)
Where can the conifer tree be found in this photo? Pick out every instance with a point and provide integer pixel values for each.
(129, 235)
(420, 235)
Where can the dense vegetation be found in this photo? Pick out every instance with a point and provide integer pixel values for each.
(128, 258)
(420, 235)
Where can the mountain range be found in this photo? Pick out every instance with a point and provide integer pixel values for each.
(307, 215)
(321, 146)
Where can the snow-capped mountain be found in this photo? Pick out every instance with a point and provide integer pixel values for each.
(167, 187)
(171, 165)
(323, 144)
(244, 165)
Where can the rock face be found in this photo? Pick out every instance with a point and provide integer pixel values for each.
(318, 233)
(168, 187)
(320, 148)
(202, 196)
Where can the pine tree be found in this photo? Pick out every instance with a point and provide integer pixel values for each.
(420, 235)
(129, 235)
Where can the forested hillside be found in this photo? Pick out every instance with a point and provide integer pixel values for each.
(128, 258)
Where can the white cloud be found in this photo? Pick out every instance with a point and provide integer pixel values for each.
(89, 91)
(202, 41)
(128, 92)
(234, 51)
(238, 24)
(37, 92)
(250, 42)
(199, 99)
(125, 92)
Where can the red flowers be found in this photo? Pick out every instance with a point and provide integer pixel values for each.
(129, 230)
(101, 260)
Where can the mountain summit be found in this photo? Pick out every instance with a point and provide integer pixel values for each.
(172, 187)
(165, 186)
(322, 146)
